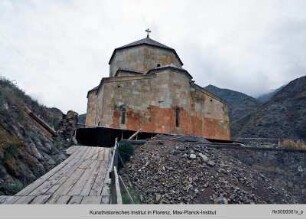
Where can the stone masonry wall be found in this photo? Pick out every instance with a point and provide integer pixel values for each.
(142, 59)
(151, 102)
(91, 109)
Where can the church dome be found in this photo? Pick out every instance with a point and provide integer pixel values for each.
(143, 55)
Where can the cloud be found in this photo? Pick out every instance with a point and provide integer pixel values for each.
(57, 50)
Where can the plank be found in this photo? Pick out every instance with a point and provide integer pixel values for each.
(91, 200)
(98, 184)
(77, 199)
(27, 190)
(95, 153)
(107, 154)
(56, 189)
(3, 198)
(63, 199)
(90, 182)
(106, 191)
(11, 199)
(68, 184)
(88, 154)
(81, 178)
(61, 181)
(79, 185)
(40, 199)
(24, 199)
(50, 182)
(72, 149)
(101, 154)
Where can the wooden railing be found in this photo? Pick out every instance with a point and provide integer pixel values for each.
(116, 197)
(116, 180)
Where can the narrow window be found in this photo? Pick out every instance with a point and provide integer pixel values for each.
(177, 117)
(122, 114)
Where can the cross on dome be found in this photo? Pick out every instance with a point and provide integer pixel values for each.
(148, 32)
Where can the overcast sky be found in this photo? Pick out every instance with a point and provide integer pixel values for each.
(56, 50)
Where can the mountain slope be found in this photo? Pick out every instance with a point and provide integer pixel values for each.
(267, 96)
(283, 116)
(27, 149)
(239, 104)
(81, 120)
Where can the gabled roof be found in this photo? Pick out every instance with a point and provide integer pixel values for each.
(148, 42)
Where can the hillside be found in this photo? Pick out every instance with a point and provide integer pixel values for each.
(267, 96)
(27, 149)
(81, 120)
(239, 104)
(283, 116)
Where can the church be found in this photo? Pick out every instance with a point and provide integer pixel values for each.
(148, 89)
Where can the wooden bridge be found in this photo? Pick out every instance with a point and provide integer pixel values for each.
(83, 178)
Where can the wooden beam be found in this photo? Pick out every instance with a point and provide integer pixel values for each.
(40, 122)
(136, 133)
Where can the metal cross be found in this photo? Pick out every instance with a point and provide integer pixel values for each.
(148, 32)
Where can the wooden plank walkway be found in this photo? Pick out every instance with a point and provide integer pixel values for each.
(80, 179)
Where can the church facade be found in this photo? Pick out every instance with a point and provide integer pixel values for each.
(148, 89)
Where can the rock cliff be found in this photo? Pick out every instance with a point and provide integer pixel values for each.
(27, 149)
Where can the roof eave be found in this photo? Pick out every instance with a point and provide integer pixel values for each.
(170, 67)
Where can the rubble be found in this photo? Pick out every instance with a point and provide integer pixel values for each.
(191, 173)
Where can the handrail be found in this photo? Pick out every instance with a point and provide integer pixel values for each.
(117, 187)
(126, 190)
(116, 197)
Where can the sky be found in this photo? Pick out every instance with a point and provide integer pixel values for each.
(57, 50)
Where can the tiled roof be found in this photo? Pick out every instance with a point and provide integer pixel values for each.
(146, 41)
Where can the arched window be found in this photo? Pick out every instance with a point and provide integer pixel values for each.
(177, 117)
(122, 113)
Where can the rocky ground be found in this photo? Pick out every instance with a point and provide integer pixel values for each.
(167, 171)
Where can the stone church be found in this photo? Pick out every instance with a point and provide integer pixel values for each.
(148, 89)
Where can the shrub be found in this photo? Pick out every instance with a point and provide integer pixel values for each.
(126, 150)
(10, 151)
(11, 188)
(293, 144)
